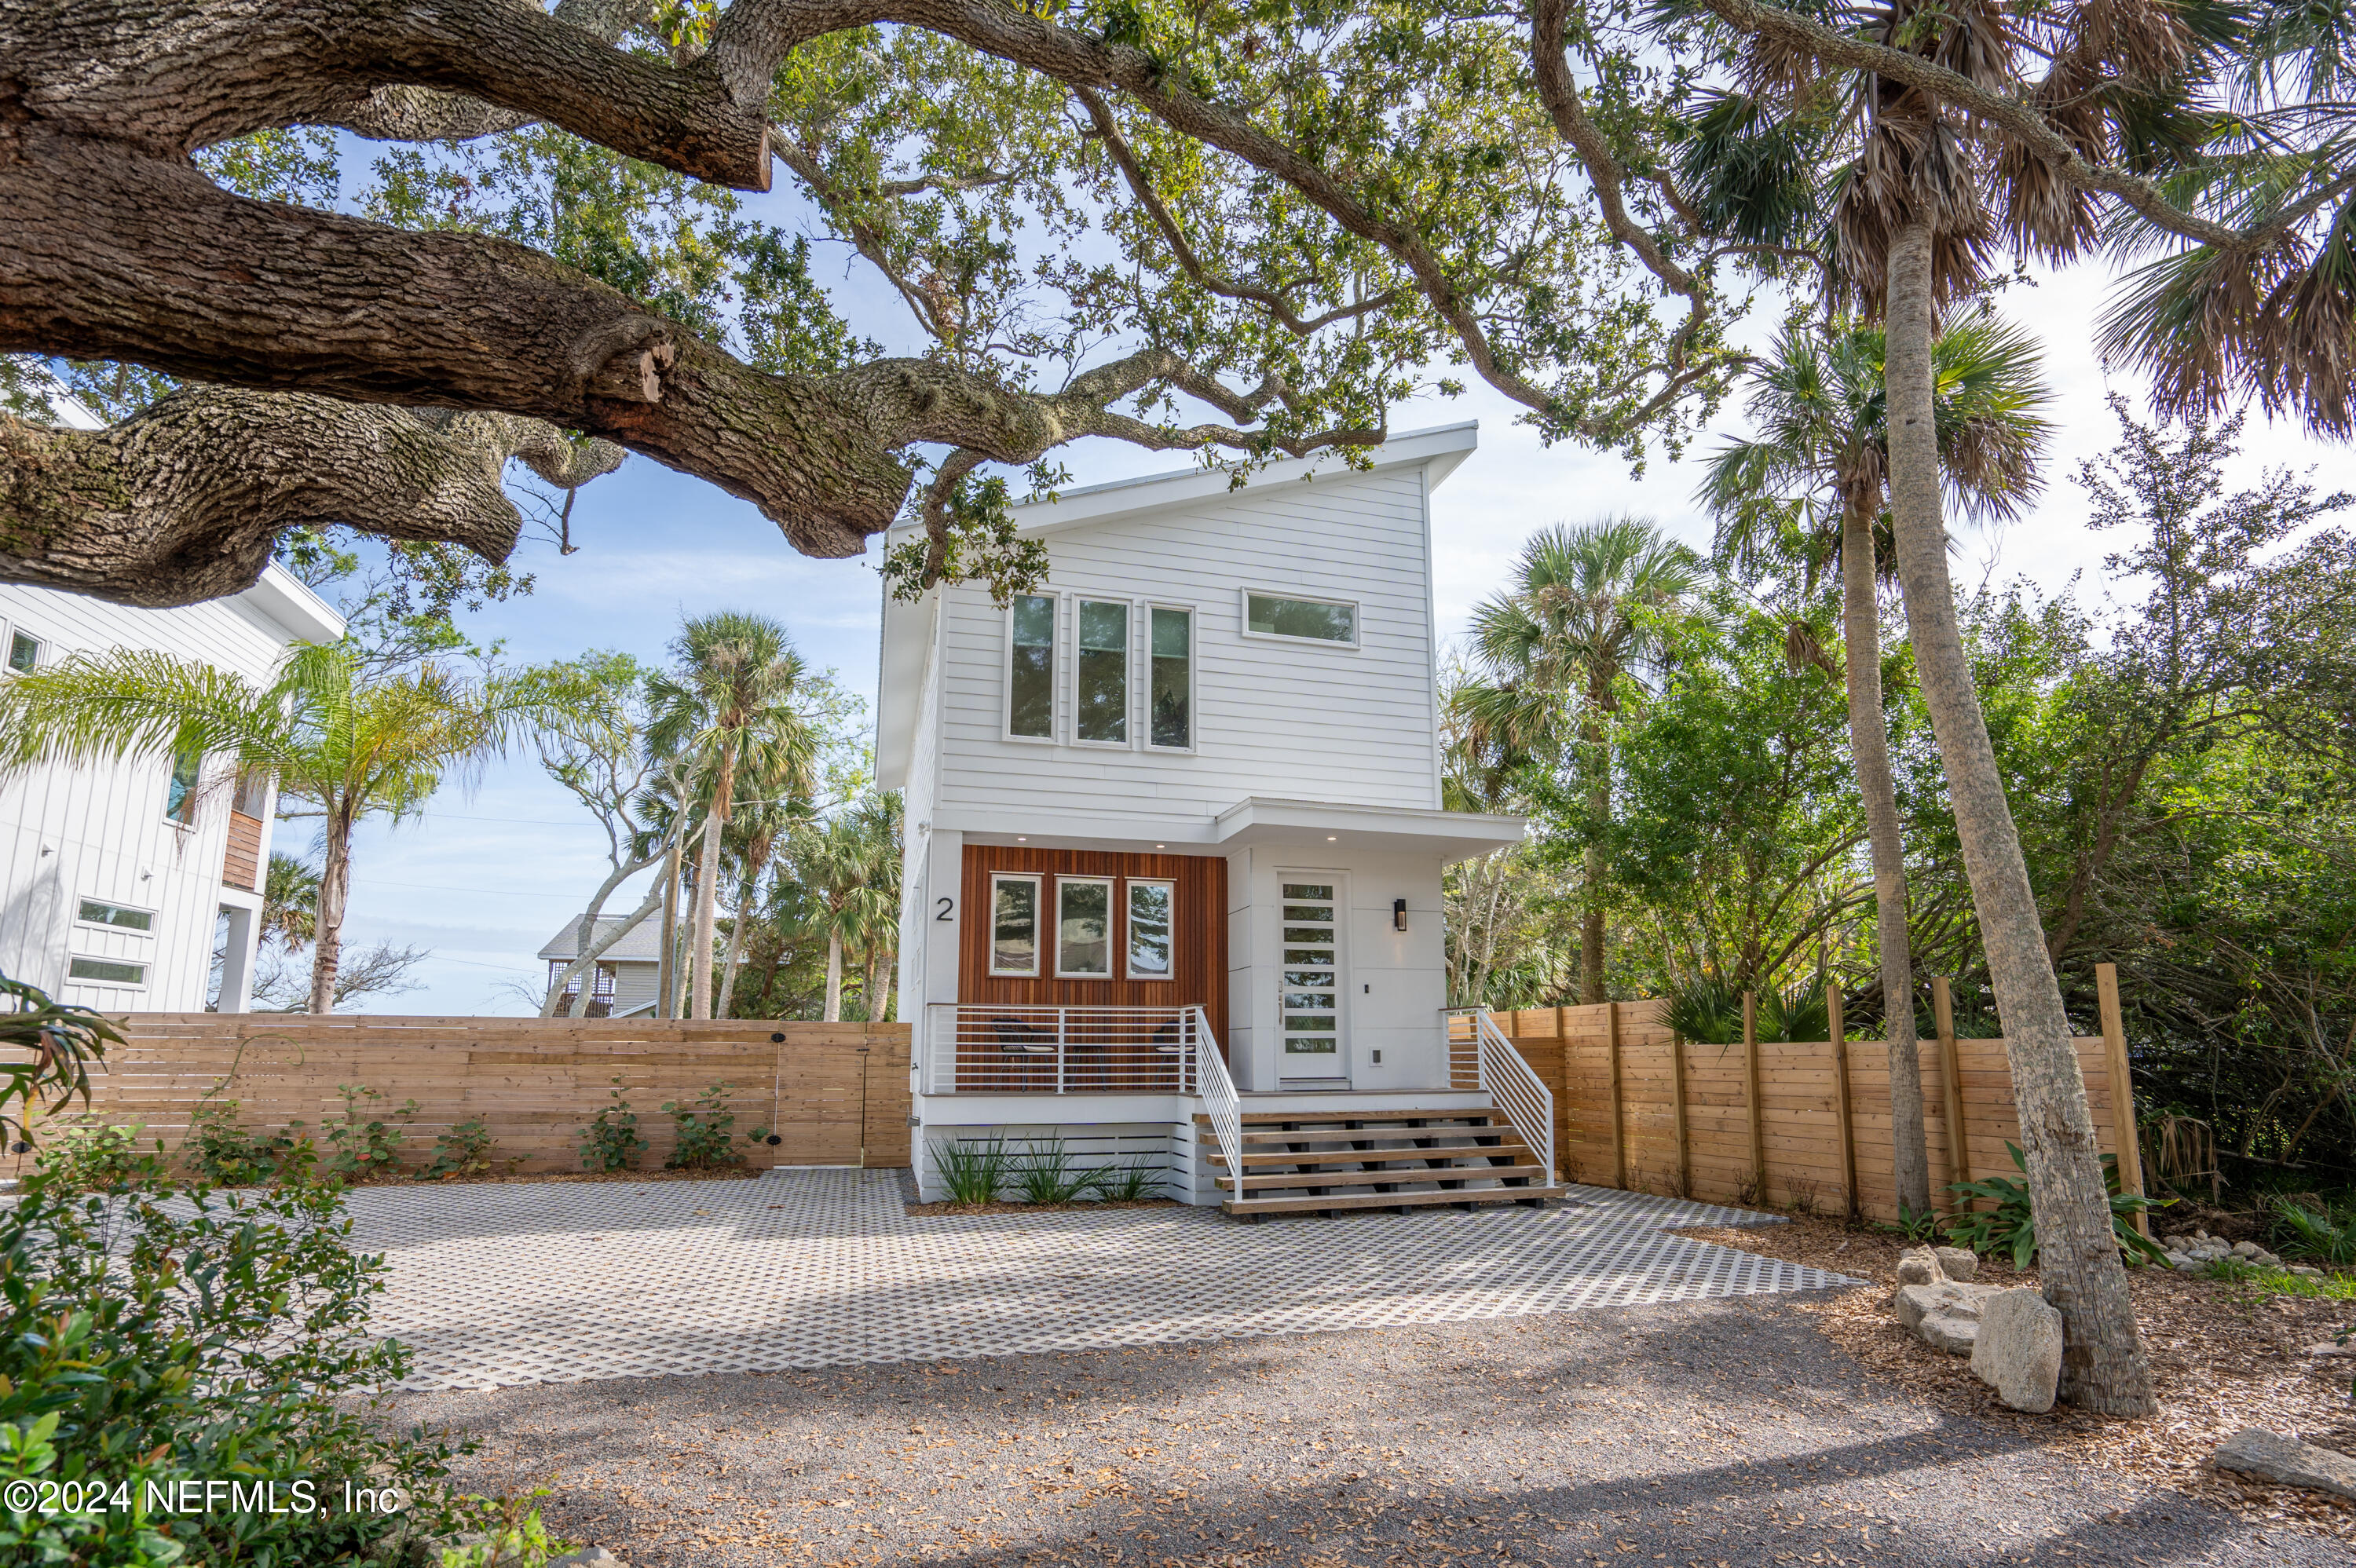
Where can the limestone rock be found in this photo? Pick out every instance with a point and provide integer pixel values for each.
(2017, 1352)
(1945, 1315)
(2287, 1461)
(1958, 1264)
(587, 1557)
(1919, 1266)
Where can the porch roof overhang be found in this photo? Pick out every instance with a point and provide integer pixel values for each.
(1257, 820)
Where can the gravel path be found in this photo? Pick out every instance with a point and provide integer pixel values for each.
(1720, 1433)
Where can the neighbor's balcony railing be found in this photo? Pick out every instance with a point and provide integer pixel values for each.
(989, 1048)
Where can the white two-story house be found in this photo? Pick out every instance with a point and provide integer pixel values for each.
(138, 886)
(1175, 841)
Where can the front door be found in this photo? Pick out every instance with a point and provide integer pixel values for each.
(1310, 977)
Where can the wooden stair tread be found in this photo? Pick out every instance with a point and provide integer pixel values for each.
(1381, 1178)
(1390, 1199)
(1325, 1135)
(1304, 1118)
(1509, 1143)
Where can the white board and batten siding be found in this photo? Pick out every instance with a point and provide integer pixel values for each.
(1288, 716)
(72, 834)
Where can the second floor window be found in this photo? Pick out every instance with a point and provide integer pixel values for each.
(1101, 712)
(1172, 720)
(180, 794)
(1031, 667)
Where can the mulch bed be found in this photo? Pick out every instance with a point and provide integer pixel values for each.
(2224, 1357)
(930, 1210)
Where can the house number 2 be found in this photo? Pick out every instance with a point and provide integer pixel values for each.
(948, 905)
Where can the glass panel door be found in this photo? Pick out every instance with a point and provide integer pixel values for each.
(1309, 1008)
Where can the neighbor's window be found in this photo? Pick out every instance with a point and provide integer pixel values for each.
(252, 793)
(1151, 904)
(24, 651)
(1013, 925)
(98, 912)
(1173, 678)
(107, 971)
(1084, 926)
(1031, 667)
(1102, 673)
(1319, 620)
(180, 796)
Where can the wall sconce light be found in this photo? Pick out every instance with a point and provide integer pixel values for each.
(1398, 914)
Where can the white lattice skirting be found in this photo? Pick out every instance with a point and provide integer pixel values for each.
(495, 1285)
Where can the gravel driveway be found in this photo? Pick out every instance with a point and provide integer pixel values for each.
(1721, 1433)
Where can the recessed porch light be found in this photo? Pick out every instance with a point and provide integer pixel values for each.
(1330, 837)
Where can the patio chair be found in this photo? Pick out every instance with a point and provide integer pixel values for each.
(1016, 1037)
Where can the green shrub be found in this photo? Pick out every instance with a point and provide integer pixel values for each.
(973, 1173)
(611, 1141)
(88, 1156)
(461, 1150)
(358, 1150)
(1709, 1012)
(2302, 1232)
(1046, 1174)
(155, 1337)
(2010, 1226)
(702, 1141)
(225, 1155)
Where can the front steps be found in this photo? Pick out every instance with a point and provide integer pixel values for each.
(1334, 1162)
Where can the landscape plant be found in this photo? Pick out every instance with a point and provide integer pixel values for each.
(226, 1154)
(90, 1155)
(2320, 1233)
(611, 1141)
(702, 1140)
(1131, 1183)
(972, 1172)
(460, 1151)
(363, 1150)
(59, 1041)
(2009, 1222)
(1047, 1173)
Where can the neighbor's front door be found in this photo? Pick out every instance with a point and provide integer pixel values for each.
(1309, 1004)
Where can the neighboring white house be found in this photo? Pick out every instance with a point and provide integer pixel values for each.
(118, 884)
(625, 979)
(1176, 836)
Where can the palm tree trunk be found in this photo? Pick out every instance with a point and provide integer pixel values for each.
(834, 976)
(1868, 744)
(1599, 806)
(2104, 1367)
(867, 983)
(735, 946)
(707, 888)
(335, 890)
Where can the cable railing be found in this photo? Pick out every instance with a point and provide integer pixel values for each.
(1220, 1102)
(974, 1048)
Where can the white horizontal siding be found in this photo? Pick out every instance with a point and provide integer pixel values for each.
(70, 834)
(1289, 720)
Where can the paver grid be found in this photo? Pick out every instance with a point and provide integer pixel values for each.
(498, 1285)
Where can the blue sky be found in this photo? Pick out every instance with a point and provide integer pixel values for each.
(486, 876)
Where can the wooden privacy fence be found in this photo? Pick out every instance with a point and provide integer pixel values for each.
(1777, 1122)
(828, 1091)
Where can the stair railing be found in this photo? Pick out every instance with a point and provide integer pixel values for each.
(1217, 1093)
(1516, 1089)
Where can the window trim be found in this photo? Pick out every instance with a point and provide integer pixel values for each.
(1006, 673)
(74, 979)
(9, 631)
(1038, 917)
(1129, 672)
(1128, 946)
(1194, 679)
(80, 919)
(1355, 606)
(1112, 887)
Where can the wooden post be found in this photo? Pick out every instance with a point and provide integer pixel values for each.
(2125, 1131)
(1618, 1125)
(1840, 1097)
(1751, 1094)
(1959, 1145)
(1677, 1112)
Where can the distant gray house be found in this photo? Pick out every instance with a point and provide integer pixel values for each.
(624, 985)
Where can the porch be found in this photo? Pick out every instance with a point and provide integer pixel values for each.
(1117, 1085)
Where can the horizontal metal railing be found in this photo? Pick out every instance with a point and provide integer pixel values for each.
(1464, 1046)
(986, 1049)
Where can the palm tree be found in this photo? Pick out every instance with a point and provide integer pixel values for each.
(1808, 489)
(1592, 610)
(734, 701)
(850, 864)
(348, 739)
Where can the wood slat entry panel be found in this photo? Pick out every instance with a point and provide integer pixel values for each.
(1199, 932)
